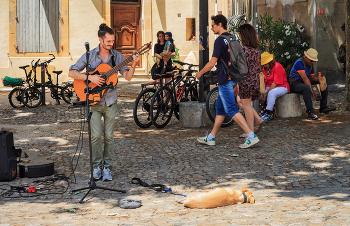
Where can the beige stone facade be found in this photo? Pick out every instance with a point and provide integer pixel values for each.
(81, 18)
(80, 21)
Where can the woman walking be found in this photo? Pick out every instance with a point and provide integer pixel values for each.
(249, 89)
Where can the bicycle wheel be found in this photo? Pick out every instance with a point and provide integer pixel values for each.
(15, 97)
(142, 108)
(32, 97)
(180, 97)
(161, 107)
(210, 107)
(68, 94)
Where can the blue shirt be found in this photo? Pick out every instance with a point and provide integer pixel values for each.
(168, 43)
(299, 66)
(110, 95)
(221, 50)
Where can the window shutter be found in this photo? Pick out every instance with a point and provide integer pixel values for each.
(38, 26)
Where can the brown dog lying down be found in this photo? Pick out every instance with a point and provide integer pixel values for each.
(218, 197)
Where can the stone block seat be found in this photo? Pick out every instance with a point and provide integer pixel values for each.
(193, 114)
(288, 106)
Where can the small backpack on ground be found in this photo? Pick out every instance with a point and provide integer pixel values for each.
(238, 69)
(289, 68)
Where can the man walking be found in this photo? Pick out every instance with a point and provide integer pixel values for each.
(225, 103)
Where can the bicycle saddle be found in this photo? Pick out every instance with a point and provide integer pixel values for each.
(24, 67)
(57, 72)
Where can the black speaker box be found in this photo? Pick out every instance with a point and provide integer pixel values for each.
(8, 158)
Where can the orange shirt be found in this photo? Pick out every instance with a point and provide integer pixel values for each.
(276, 75)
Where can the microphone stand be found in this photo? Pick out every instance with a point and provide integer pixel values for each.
(92, 183)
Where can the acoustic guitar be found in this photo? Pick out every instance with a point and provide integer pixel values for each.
(108, 73)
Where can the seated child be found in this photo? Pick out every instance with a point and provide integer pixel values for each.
(168, 47)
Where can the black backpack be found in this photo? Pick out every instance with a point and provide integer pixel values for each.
(238, 69)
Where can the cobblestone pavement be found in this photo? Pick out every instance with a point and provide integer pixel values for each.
(299, 173)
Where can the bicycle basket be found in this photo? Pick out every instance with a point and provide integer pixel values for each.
(12, 81)
(211, 77)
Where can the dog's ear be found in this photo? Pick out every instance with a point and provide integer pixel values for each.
(244, 189)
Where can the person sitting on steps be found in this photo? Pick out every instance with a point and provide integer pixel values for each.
(301, 78)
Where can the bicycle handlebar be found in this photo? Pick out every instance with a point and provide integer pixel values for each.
(49, 61)
(183, 63)
(36, 63)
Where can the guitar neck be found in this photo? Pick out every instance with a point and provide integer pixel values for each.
(116, 68)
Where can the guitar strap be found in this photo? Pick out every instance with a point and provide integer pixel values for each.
(113, 62)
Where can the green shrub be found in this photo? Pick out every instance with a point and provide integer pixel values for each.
(287, 42)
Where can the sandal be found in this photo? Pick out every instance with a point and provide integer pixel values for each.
(259, 126)
(243, 135)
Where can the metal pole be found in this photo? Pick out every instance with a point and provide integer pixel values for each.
(204, 50)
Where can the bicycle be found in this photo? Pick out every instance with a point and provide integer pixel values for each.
(32, 97)
(187, 90)
(15, 96)
(143, 103)
(164, 103)
(210, 105)
(58, 92)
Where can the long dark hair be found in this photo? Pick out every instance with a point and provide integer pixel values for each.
(248, 36)
(158, 33)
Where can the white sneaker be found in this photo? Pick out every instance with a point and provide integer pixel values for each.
(249, 142)
(206, 140)
(97, 174)
(107, 174)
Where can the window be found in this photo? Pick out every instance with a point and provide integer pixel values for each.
(38, 26)
(190, 29)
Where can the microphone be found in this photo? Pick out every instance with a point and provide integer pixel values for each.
(87, 47)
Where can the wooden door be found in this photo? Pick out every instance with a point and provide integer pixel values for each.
(126, 25)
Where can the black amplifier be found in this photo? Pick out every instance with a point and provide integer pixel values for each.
(8, 157)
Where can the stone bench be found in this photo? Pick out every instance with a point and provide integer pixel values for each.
(288, 106)
(193, 114)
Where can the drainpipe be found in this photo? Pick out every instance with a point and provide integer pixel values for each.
(255, 14)
(204, 51)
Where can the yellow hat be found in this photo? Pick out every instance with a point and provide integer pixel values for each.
(266, 58)
(311, 54)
